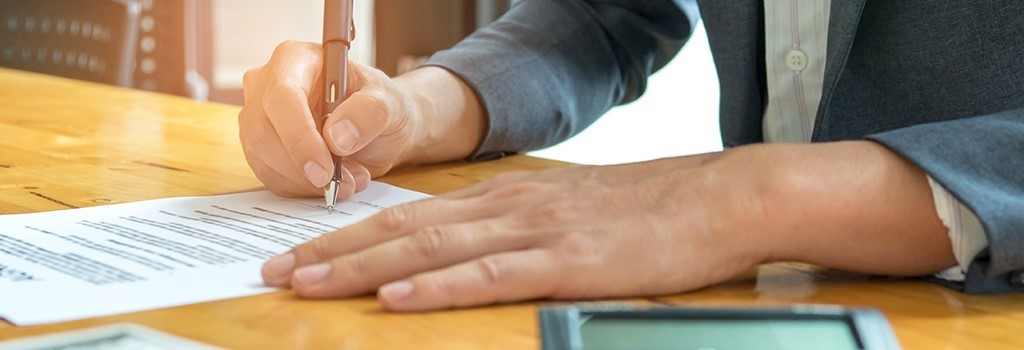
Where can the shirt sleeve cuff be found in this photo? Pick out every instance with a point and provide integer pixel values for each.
(965, 231)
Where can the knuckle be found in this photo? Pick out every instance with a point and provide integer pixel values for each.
(356, 263)
(297, 146)
(287, 45)
(245, 116)
(430, 242)
(276, 90)
(318, 249)
(551, 214)
(268, 176)
(258, 142)
(378, 101)
(444, 285)
(578, 247)
(393, 218)
(252, 139)
(491, 270)
(367, 71)
(249, 79)
(366, 75)
(515, 190)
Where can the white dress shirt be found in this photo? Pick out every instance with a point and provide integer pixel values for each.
(796, 34)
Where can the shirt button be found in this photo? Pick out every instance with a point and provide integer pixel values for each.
(796, 60)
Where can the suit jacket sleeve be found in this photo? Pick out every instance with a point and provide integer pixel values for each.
(979, 160)
(549, 68)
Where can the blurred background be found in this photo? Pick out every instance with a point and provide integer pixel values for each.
(201, 48)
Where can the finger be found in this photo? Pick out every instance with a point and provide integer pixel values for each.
(261, 143)
(357, 77)
(296, 63)
(430, 248)
(391, 223)
(250, 83)
(293, 71)
(357, 121)
(360, 174)
(288, 111)
(279, 184)
(498, 278)
(347, 187)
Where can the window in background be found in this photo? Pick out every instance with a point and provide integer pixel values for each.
(678, 115)
(245, 33)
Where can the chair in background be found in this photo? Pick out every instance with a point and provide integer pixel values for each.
(90, 40)
(173, 47)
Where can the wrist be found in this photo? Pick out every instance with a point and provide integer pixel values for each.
(448, 119)
(854, 206)
(795, 199)
(759, 209)
(732, 194)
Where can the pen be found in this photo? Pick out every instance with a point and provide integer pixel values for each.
(339, 32)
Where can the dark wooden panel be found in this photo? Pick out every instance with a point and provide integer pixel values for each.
(419, 28)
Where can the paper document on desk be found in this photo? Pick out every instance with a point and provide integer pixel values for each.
(80, 263)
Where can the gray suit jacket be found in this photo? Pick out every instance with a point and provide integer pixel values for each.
(940, 83)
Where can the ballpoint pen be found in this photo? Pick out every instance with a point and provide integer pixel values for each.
(339, 32)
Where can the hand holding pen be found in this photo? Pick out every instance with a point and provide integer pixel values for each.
(383, 123)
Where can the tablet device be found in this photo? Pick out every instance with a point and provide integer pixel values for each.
(589, 327)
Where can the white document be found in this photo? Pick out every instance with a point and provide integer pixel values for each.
(81, 263)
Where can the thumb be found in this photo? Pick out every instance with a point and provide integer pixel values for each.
(374, 106)
(358, 120)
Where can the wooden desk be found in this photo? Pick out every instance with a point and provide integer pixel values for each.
(67, 144)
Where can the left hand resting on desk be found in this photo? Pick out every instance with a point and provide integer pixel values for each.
(651, 228)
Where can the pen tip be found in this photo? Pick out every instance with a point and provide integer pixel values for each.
(330, 209)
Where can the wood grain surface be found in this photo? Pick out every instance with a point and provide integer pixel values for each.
(68, 144)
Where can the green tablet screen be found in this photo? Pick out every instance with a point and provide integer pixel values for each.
(639, 334)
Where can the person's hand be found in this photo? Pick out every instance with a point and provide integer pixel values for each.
(650, 228)
(280, 122)
(638, 229)
(382, 123)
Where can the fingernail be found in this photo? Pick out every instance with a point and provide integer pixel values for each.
(312, 274)
(395, 291)
(316, 174)
(279, 266)
(345, 135)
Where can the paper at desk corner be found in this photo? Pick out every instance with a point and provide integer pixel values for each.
(81, 263)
